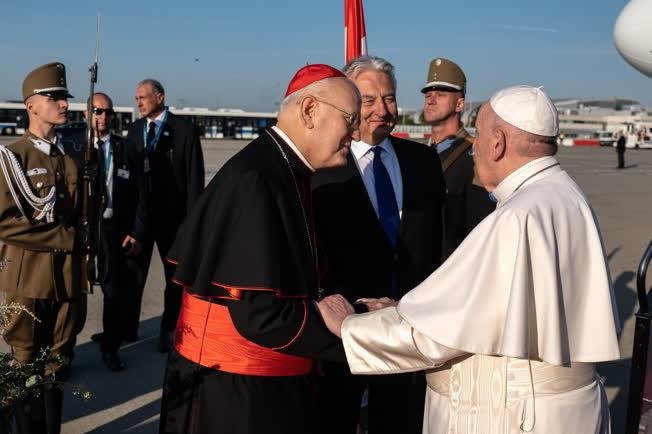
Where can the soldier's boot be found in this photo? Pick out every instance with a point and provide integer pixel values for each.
(29, 414)
(53, 404)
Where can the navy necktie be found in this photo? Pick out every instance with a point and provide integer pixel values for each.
(100, 153)
(387, 207)
(151, 134)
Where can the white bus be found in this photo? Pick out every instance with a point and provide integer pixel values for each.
(14, 120)
(227, 123)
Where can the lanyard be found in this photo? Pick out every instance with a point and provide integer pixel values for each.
(108, 160)
(150, 147)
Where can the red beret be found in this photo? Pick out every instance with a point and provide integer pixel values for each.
(310, 74)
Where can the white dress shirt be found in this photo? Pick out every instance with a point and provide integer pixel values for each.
(158, 121)
(44, 146)
(364, 158)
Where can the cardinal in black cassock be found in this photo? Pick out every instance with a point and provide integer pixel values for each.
(249, 330)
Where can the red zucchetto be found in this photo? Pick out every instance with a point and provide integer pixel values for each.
(310, 74)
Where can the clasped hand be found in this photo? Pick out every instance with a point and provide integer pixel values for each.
(335, 308)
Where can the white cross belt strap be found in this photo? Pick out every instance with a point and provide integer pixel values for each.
(13, 172)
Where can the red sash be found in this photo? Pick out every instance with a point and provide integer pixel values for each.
(206, 335)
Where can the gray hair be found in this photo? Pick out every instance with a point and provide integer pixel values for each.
(534, 145)
(366, 63)
(527, 144)
(316, 89)
(156, 85)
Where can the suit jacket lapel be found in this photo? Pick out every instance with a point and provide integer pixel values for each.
(141, 129)
(359, 192)
(360, 195)
(167, 135)
(409, 190)
(117, 149)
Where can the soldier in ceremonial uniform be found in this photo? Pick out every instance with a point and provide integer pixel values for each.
(467, 201)
(39, 266)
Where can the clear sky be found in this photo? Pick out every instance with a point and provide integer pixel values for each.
(248, 50)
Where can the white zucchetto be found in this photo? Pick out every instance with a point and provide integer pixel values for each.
(527, 108)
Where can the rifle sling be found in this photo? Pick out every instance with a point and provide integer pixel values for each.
(457, 152)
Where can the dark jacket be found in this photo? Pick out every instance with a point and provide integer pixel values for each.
(248, 245)
(359, 259)
(620, 144)
(467, 201)
(174, 171)
(128, 186)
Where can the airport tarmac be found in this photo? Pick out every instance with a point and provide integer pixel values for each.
(129, 401)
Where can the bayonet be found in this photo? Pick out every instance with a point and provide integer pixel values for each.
(91, 195)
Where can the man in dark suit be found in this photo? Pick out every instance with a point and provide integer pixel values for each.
(620, 149)
(122, 227)
(467, 201)
(379, 229)
(170, 151)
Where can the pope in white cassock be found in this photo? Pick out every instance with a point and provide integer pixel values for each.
(510, 327)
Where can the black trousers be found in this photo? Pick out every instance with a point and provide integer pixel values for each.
(198, 400)
(123, 277)
(163, 235)
(395, 404)
(621, 160)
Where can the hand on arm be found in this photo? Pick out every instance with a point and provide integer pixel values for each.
(334, 309)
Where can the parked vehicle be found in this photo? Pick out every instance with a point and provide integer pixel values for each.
(607, 138)
(639, 136)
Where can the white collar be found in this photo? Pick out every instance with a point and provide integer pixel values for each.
(521, 175)
(360, 148)
(159, 119)
(44, 145)
(292, 146)
(106, 139)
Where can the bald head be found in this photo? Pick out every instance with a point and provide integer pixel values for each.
(321, 89)
(321, 119)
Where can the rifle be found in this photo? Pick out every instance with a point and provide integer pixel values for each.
(91, 193)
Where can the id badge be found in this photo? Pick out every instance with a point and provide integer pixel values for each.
(123, 173)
